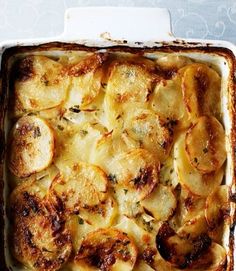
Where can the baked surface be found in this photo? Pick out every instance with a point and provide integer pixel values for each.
(116, 163)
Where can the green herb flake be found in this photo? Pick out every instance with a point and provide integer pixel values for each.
(59, 127)
(75, 109)
(83, 132)
(81, 221)
(112, 178)
(37, 132)
(195, 159)
(125, 191)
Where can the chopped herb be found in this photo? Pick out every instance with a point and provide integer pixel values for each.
(138, 203)
(112, 178)
(125, 191)
(60, 127)
(37, 132)
(171, 170)
(75, 109)
(195, 159)
(148, 225)
(205, 150)
(81, 221)
(84, 132)
(46, 250)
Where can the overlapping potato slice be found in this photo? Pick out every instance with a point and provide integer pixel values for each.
(39, 84)
(90, 219)
(151, 131)
(128, 84)
(168, 65)
(137, 172)
(83, 185)
(167, 100)
(197, 183)
(40, 239)
(31, 146)
(106, 249)
(161, 203)
(201, 90)
(205, 144)
(86, 77)
(217, 207)
(76, 143)
(180, 252)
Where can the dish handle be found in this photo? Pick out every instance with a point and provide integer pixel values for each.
(117, 24)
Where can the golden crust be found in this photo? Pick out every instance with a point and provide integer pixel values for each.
(134, 179)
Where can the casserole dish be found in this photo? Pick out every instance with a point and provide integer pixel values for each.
(102, 34)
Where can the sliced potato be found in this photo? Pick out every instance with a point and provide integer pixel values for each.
(201, 90)
(83, 185)
(128, 83)
(205, 144)
(76, 143)
(171, 63)
(197, 183)
(161, 203)
(180, 252)
(40, 240)
(136, 171)
(107, 249)
(167, 100)
(149, 129)
(31, 146)
(217, 206)
(39, 84)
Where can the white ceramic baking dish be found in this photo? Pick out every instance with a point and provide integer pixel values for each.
(147, 30)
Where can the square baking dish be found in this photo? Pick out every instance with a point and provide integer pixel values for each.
(111, 30)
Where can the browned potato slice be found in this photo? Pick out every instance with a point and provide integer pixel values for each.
(83, 185)
(106, 249)
(40, 240)
(197, 183)
(161, 203)
(180, 252)
(31, 146)
(39, 84)
(205, 144)
(201, 90)
(217, 206)
(151, 131)
(137, 172)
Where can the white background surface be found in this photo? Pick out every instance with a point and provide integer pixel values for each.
(212, 19)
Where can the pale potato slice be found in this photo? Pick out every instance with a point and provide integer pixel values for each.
(171, 63)
(107, 249)
(205, 144)
(84, 89)
(31, 146)
(40, 241)
(137, 172)
(39, 84)
(83, 185)
(167, 100)
(151, 131)
(161, 203)
(197, 183)
(128, 83)
(201, 90)
(76, 143)
(217, 207)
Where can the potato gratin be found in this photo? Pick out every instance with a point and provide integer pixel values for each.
(116, 163)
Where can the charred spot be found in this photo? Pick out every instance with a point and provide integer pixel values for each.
(144, 177)
(170, 124)
(37, 132)
(148, 255)
(200, 246)
(232, 197)
(188, 203)
(24, 69)
(28, 237)
(167, 73)
(32, 202)
(164, 233)
(57, 224)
